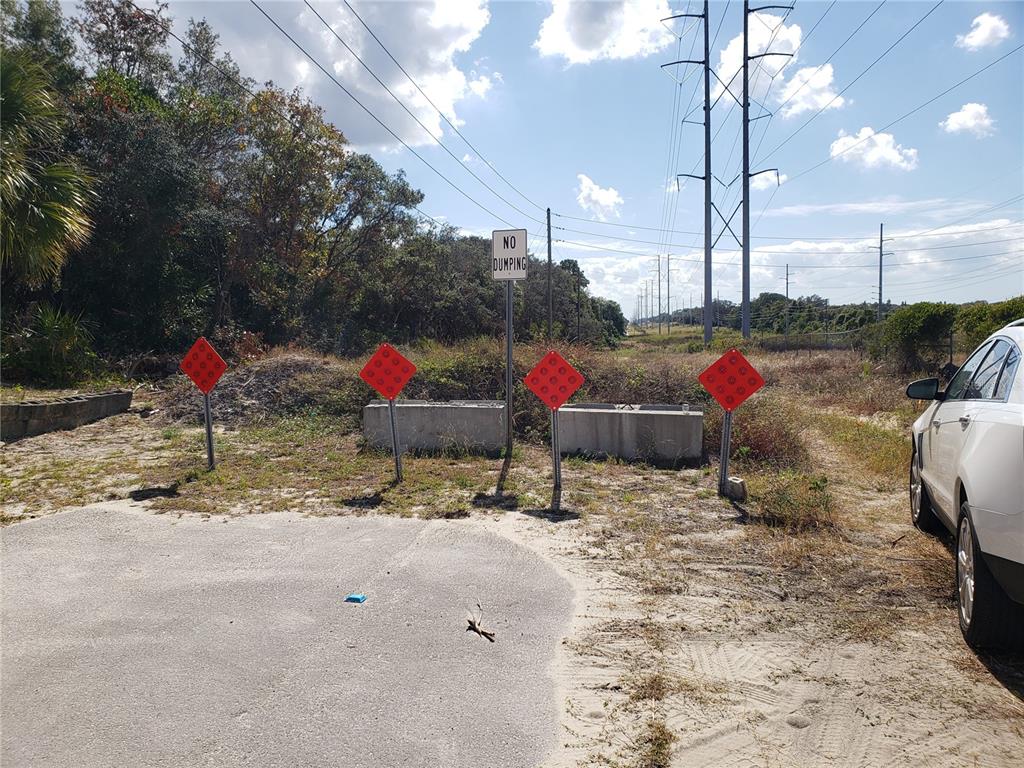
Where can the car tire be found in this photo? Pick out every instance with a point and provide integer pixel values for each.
(988, 618)
(922, 514)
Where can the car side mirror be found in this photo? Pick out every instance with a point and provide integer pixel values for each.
(924, 389)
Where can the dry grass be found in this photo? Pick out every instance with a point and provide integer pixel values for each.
(654, 746)
(880, 450)
(792, 501)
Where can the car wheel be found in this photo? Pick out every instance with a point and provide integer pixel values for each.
(922, 515)
(988, 618)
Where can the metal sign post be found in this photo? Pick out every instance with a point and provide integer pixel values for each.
(509, 262)
(204, 366)
(388, 371)
(210, 463)
(556, 461)
(723, 468)
(730, 380)
(554, 381)
(394, 441)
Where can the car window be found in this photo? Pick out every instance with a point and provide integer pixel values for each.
(957, 387)
(1009, 371)
(983, 385)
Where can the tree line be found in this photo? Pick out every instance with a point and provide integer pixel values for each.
(148, 200)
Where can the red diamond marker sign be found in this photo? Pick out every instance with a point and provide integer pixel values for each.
(203, 365)
(388, 371)
(553, 380)
(731, 380)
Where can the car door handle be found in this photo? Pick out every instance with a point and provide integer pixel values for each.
(964, 420)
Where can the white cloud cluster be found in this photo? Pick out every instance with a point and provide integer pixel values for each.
(986, 30)
(873, 150)
(764, 29)
(970, 118)
(768, 181)
(582, 32)
(427, 38)
(602, 202)
(809, 89)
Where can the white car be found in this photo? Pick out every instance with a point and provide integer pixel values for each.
(967, 475)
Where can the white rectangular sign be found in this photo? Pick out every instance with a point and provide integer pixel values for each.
(508, 254)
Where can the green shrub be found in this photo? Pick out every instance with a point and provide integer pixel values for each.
(975, 322)
(916, 337)
(52, 347)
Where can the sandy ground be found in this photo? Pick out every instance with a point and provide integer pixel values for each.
(753, 647)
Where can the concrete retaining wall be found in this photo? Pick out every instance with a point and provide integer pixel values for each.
(663, 435)
(475, 426)
(34, 417)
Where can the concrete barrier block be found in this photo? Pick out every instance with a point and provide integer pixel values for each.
(474, 426)
(663, 435)
(33, 417)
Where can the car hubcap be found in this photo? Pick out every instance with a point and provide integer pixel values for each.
(965, 571)
(915, 489)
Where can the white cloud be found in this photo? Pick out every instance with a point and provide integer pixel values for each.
(428, 37)
(986, 29)
(764, 28)
(480, 85)
(602, 202)
(972, 118)
(809, 89)
(582, 32)
(873, 150)
(767, 181)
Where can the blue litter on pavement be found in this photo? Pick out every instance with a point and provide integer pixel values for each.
(356, 597)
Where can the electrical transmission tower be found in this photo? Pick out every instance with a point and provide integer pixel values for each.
(706, 178)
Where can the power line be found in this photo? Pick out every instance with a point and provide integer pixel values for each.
(414, 117)
(849, 85)
(380, 122)
(903, 117)
(438, 109)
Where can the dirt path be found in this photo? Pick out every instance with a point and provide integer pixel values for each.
(699, 638)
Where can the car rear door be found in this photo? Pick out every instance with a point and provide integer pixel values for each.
(992, 462)
(946, 435)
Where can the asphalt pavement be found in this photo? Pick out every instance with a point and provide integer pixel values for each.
(136, 639)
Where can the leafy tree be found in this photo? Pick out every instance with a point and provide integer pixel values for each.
(37, 28)
(44, 193)
(123, 39)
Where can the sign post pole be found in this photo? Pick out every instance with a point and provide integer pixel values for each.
(730, 380)
(509, 337)
(394, 440)
(723, 469)
(554, 381)
(556, 459)
(388, 372)
(509, 262)
(210, 463)
(204, 366)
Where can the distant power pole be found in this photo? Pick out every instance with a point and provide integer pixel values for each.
(881, 254)
(668, 291)
(787, 307)
(550, 300)
(659, 294)
(578, 338)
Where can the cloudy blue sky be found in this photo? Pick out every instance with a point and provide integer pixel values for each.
(568, 102)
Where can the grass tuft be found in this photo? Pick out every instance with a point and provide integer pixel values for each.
(792, 500)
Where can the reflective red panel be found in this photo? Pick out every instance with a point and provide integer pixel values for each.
(731, 379)
(387, 372)
(553, 380)
(203, 365)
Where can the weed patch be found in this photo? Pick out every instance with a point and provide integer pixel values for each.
(792, 500)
